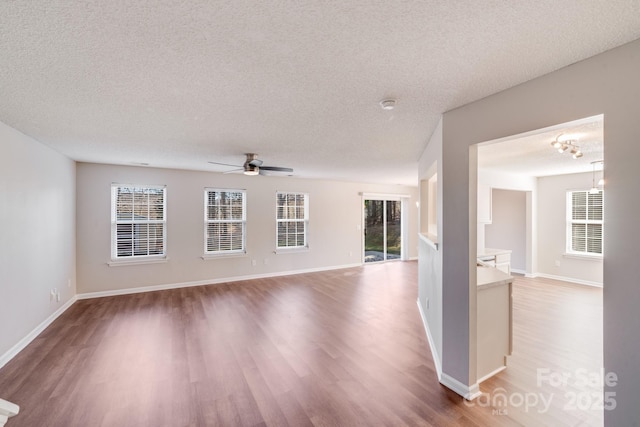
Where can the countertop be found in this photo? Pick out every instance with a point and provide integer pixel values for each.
(488, 252)
(488, 277)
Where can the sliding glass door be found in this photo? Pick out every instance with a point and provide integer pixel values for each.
(393, 225)
(382, 230)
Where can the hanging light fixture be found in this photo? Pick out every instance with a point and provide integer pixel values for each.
(570, 145)
(594, 187)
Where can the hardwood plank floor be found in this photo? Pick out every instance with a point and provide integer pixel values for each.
(338, 348)
(557, 354)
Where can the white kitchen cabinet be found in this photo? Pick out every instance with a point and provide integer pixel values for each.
(498, 258)
(494, 321)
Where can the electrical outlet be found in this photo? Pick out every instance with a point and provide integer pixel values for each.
(350, 253)
(557, 263)
(69, 283)
(266, 261)
(253, 262)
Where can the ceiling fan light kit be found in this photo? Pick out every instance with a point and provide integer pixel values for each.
(251, 170)
(252, 164)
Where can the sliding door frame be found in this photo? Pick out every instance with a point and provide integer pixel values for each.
(404, 218)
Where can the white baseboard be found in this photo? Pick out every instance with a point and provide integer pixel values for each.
(20, 345)
(7, 410)
(13, 351)
(490, 374)
(432, 346)
(561, 278)
(567, 279)
(152, 288)
(469, 392)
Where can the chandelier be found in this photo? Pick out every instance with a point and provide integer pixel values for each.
(567, 145)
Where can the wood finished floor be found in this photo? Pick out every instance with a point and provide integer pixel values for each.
(338, 348)
(557, 331)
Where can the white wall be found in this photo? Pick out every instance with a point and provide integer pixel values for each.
(605, 84)
(508, 228)
(37, 234)
(430, 260)
(335, 219)
(552, 202)
(507, 181)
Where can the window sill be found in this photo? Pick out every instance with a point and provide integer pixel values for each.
(207, 257)
(282, 251)
(583, 256)
(123, 262)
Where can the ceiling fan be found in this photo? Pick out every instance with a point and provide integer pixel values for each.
(253, 166)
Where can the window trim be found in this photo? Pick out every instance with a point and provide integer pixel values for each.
(225, 252)
(137, 259)
(305, 221)
(146, 260)
(583, 256)
(569, 252)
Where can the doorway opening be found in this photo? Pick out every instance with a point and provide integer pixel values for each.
(382, 229)
(538, 195)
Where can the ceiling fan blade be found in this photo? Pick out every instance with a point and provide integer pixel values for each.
(233, 171)
(225, 164)
(256, 162)
(276, 169)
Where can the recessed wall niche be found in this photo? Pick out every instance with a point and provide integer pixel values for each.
(428, 206)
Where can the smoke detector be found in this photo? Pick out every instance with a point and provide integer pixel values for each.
(388, 104)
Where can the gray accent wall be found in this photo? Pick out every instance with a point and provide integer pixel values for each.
(508, 228)
(605, 84)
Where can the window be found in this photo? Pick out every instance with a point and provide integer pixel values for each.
(138, 221)
(292, 219)
(225, 221)
(584, 222)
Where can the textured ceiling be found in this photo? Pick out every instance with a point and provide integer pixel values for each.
(532, 154)
(180, 83)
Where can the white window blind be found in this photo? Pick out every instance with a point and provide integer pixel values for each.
(292, 220)
(225, 221)
(584, 222)
(138, 221)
